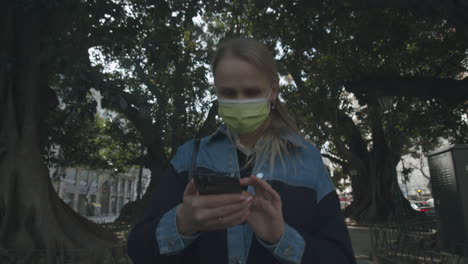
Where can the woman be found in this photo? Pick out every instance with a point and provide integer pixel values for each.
(290, 212)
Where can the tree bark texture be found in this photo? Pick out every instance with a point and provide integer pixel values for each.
(36, 226)
(376, 194)
(377, 197)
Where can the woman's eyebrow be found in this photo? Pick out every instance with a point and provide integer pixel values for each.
(252, 89)
(226, 89)
(246, 90)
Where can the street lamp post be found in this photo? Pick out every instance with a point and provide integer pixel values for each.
(141, 172)
(419, 194)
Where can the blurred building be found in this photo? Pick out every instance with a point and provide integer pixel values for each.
(96, 192)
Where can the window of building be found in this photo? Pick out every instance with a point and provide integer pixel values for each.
(84, 177)
(121, 203)
(114, 205)
(82, 205)
(68, 199)
(122, 186)
(129, 186)
(114, 185)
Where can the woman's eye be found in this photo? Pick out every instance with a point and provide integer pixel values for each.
(228, 93)
(252, 93)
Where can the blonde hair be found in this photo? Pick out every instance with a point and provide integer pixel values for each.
(258, 55)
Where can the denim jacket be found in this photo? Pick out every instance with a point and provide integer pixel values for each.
(314, 227)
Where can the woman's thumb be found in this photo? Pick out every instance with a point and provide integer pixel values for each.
(190, 189)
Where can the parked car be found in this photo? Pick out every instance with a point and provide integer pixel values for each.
(345, 201)
(430, 201)
(424, 207)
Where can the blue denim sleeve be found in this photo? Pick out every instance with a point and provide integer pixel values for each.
(169, 239)
(289, 248)
(143, 241)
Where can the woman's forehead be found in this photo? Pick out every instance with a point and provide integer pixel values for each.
(236, 73)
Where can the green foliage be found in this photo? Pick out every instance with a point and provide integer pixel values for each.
(160, 79)
(157, 81)
(325, 49)
(121, 144)
(91, 141)
(72, 133)
(150, 61)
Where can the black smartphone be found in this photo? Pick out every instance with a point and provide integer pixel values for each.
(211, 182)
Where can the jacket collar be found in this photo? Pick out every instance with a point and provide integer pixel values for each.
(220, 132)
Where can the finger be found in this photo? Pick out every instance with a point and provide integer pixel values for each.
(245, 181)
(246, 194)
(190, 189)
(261, 187)
(233, 219)
(227, 210)
(219, 200)
(236, 218)
(251, 181)
(266, 187)
(260, 203)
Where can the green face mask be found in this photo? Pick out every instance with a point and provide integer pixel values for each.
(243, 116)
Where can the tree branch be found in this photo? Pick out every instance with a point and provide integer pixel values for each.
(343, 126)
(210, 122)
(151, 137)
(425, 87)
(335, 160)
(420, 168)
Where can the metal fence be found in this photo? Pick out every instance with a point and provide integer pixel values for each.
(107, 255)
(111, 255)
(120, 229)
(414, 241)
(102, 219)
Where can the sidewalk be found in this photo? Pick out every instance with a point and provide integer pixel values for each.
(361, 239)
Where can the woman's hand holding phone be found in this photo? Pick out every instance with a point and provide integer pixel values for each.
(266, 217)
(209, 212)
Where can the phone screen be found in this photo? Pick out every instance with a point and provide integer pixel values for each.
(211, 182)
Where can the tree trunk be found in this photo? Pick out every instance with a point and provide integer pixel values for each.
(36, 226)
(132, 212)
(377, 197)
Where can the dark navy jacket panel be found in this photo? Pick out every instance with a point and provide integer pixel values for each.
(321, 225)
(210, 247)
(310, 206)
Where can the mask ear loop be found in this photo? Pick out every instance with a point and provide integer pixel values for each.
(272, 103)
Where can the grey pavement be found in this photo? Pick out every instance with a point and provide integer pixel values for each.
(361, 240)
